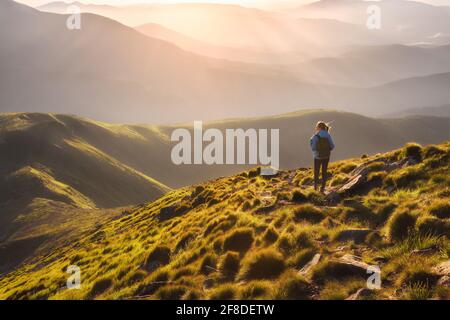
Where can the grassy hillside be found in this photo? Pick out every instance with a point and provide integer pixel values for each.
(43, 157)
(251, 237)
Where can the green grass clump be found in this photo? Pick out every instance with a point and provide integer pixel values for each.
(159, 256)
(302, 257)
(291, 286)
(239, 240)
(135, 277)
(229, 265)
(400, 225)
(224, 292)
(415, 241)
(433, 226)
(406, 177)
(341, 290)
(183, 272)
(193, 294)
(264, 264)
(417, 274)
(376, 166)
(154, 282)
(208, 264)
(440, 208)
(184, 241)
(256, 290)
(99, 287)
(417, 291)
(171, 292)
(298, 196)
(348, 167)
(413, 150)
(308, 213)
(270, 235)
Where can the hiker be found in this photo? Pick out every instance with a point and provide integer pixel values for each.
(321, 145)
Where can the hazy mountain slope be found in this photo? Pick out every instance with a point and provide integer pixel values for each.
(244, 54)
(238, 26)
(251, 237)
(123, 68)
(128, 77)
(404, 22)
(376, 65)
(442, 111)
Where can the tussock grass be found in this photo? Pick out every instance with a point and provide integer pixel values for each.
(239, 240)
(308, 213)
(224, 292)
(264, 264)
(291, 286)
(229, 265)
(400, 225)
(440, 208)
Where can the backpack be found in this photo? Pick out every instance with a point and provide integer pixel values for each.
(323, 147)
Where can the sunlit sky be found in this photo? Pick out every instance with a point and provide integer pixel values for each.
(249, 3)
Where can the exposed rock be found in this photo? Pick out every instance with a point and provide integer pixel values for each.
(354, 264)
(355, 235)
(444, 281)
(428, 250)
(333, 197)
(442, 269)
(314, 261)
(396, 165)
(354, 183)
(360, 294)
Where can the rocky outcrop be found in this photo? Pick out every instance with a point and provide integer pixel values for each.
(443, 270)
(307, 267)
(360, 294)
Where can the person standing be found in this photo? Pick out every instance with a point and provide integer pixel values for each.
(321, 145)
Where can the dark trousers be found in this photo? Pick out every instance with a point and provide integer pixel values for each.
(321, 163)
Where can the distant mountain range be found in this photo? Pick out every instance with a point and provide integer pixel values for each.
(405, 22)
(73, 72)
(236, 26)
(441, 111)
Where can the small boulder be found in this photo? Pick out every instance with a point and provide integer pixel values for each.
(354, 264)
(442, 269)
(307, 267)
(360, 294)
(444, 281)
(354, 184)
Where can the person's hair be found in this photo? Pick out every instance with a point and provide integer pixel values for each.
(323, 126)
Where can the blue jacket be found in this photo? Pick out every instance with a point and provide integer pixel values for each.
(314, 140)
